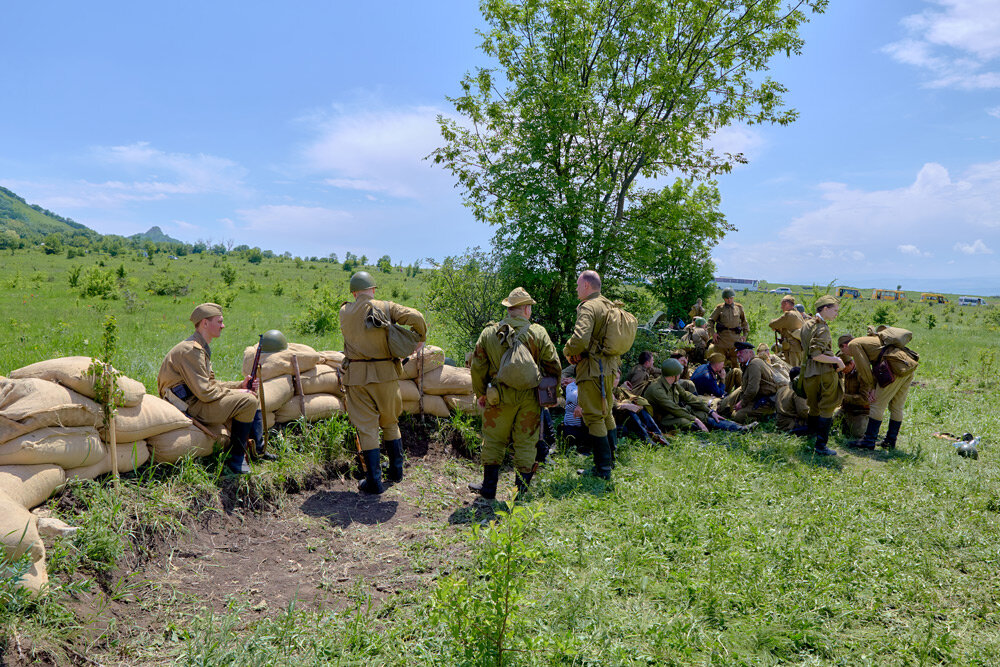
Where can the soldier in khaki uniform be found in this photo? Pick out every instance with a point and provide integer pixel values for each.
(865, 351)
(697, 310)
(594, 372)
(854, 407)
(819, 372)
(187, 381)
(643, 372)
(757, 388)
(674, 407)
(787, 327)
(371, 378)
(791, 410)
(696, 339)
(726, 325)
(511, 416)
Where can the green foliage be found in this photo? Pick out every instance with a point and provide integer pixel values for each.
(931, 321)
(229, 275)
(384, 264)
(107, 392)
(168, 283)
(254, 255)
(467, 290)
(322, 315)
(73, 275)
(98, 282)
(884, 314)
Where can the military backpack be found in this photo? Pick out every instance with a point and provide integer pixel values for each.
(620, 328)
(518, 369)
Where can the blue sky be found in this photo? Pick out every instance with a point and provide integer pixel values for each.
(302, 127)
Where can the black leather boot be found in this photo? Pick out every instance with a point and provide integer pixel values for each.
(488, 487)
(603, 458)
(394, 450)
(613, 444)
(237, 462)
(522, 480)
(889, 442)
(257, 432)
(823, 425)
(867, 441)
(372, 483)
(812, 425)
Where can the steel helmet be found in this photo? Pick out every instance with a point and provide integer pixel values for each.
(728, 293)
(671, 367)
(273, 341)
(362, 280)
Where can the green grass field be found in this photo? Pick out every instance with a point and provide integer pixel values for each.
(721, 550)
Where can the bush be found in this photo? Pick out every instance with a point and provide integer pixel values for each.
(165, 284)
(229, 275)
(322, 316)
(884, 314)
(100, 283)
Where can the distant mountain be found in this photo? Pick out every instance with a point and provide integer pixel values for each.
(32, 223)
(156, 235)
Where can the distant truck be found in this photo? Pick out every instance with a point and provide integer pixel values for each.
(848, 293)
(927, 297)
(971, 301)
(888, 295)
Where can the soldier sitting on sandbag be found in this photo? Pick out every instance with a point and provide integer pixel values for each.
(187, 381)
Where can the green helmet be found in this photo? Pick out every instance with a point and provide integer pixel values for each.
(728, 293)
(671, 367)
(700, 321)
(273, 341)
(362, 280)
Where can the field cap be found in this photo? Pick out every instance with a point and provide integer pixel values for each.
(826, 300)
(716, 357)
(789, 298)
(845, 339)
(518, 297)
(206, 310)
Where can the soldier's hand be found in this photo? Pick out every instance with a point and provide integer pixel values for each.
(840, 363)
(578, 412)
(701, 426)
(871, 395)
(419, 347)
(715, 338)
(575, 358)
(254, 386)
(739, 404)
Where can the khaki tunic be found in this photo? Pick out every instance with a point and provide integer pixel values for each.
(820, 380)
(790, 408)
(640, 376)
(730, 324)
(516, 418)
(787, 326)
(853, 412)
(212, 402)
(757, 383)
(696, 340)
(696, 311)
(865, 351)
(591, 317)
(675, 407)
(370, 374)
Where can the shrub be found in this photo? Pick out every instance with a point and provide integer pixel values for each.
(74, 276)
(884, 314)
(165, 284)
(321, 316)
(99, 282)
(228, 275)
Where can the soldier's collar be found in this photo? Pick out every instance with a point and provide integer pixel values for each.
(198, 338)
(592, 295)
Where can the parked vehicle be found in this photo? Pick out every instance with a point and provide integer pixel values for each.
(888, 295)
(848, 293)
(782, 290)
(971, 301)
(927, 297)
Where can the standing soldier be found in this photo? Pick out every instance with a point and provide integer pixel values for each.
(726, 325)
(889, 344)
(371, 378)
(696, 339)
(787, 327)
(187, 381)
(594, 372)
(819, 372)
(697, 310)
(511, 415)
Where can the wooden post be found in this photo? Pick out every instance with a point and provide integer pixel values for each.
(297, 381)
(109, 416)
(263, 408)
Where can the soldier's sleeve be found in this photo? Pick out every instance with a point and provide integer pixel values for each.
(584, 329)
(664, 406)
(548, 358)
(862, 363)
(409, 317)
(696, 401)
(784, 321)
(712, 319)
(743, 321)
(751, 382)
(193, 367)
(480, 366)
(816, 344)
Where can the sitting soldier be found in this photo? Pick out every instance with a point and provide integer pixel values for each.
(710, 378)
(674, 407)
(755, 396)
(791, 410)
(187, 381)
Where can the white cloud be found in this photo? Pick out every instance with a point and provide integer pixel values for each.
(956, 43)
(735, 139)
(300, 222)
(995, 112)
(379, 151)
(977, 247)
(912, 250)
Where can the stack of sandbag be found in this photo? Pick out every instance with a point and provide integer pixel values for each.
(433, 388)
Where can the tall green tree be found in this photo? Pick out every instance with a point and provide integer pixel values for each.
(591, 97)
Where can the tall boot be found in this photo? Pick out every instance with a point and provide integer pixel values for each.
(394, 449)
(488, 487)
(612, 445)
(522, 480)
(257, 432)
(372, 483)
(237, 462)
(603, 458)
(867, 441)
(812, 425)
(889, 442)
(823, 425)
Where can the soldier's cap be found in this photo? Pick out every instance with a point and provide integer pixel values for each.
(716, 357)
(740, 345)
(205, 310)
(728, 293)
(700, 321)
(789, 298)
(518, 297)
(826, 300)
(844, 340)
(763, 348)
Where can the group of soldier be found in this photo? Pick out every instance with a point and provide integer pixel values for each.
(732, 388)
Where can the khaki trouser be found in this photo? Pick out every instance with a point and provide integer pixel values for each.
(791, 351)
(515, 421)
(893, 397)
(787, 423)
(823, 393)
(725, 346)
(853, 424)
(236, 404)
(734, 378)
(596, 411)
(748, 413)
(370, 406)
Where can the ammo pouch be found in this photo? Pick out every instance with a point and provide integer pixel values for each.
(548, 392)
(881, 371)
(180, 397)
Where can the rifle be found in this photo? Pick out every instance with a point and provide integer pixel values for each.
(256, 363)
(252, 451)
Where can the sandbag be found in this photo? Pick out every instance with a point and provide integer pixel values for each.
(66, 447)
(447, 381)
(408, 390)
(72, 372)
(131, 455)
(269, 419)
(18, 536)
(174, 445)
(318, 406)
(151, 417)
(433, 405)
(463, 403)
(30, 486)
(274, 364)
(333, 358)
(278, 391)
(39, 403)
(321, 380)
(432, 356)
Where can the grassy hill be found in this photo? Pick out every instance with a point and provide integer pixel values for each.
(21, 221)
